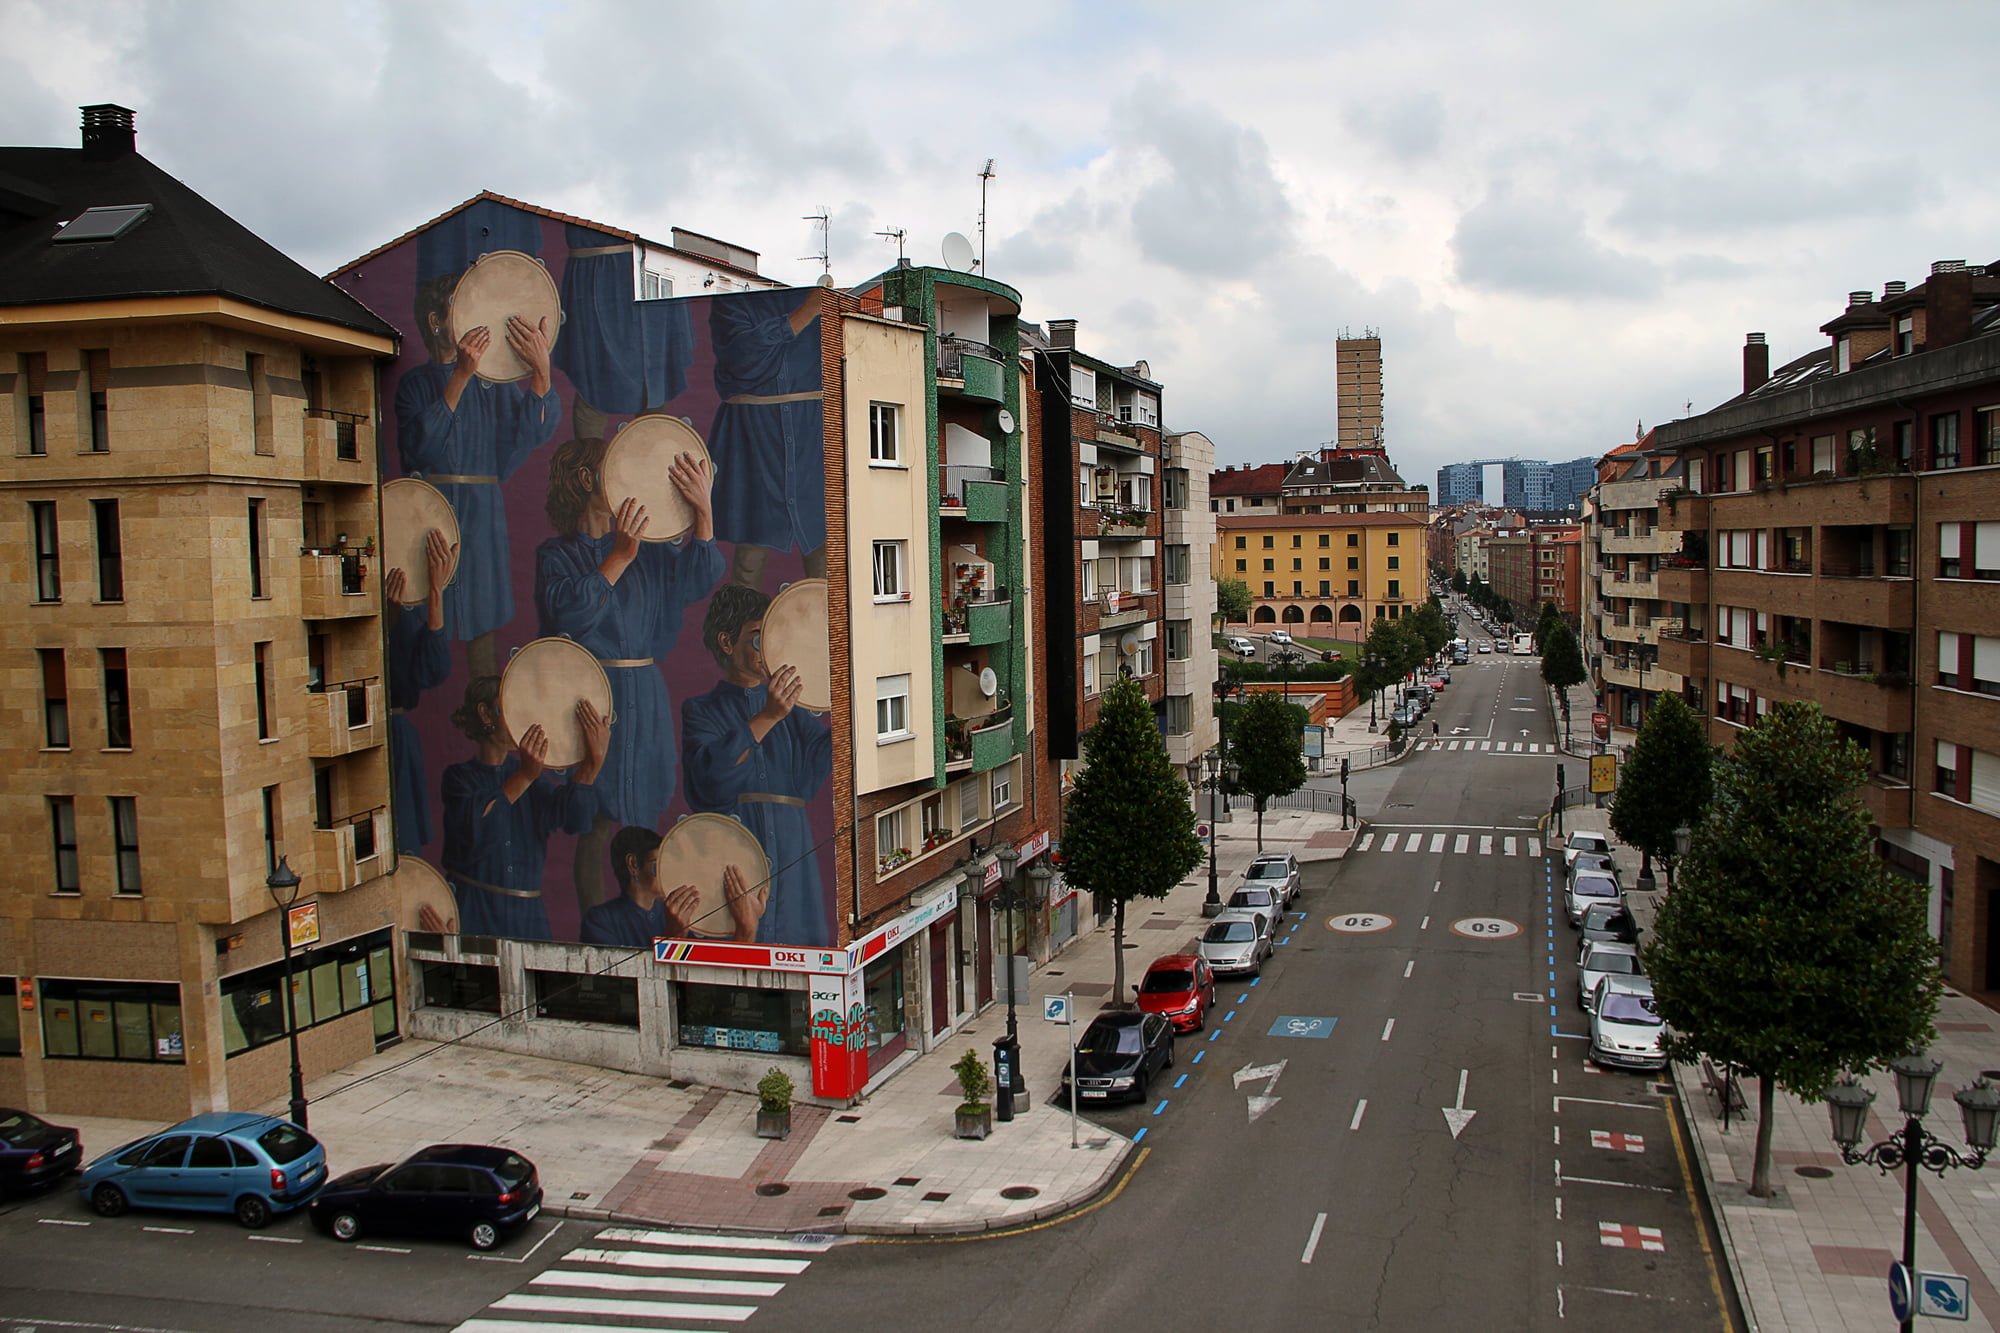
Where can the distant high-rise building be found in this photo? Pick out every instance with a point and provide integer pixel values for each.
(1527, 484)
(1359, 367)
(1460, 483)
(1572, 480)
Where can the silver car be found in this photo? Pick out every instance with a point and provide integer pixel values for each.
(1275, 871)
(1236, 943)
(1585, 887)
(1578, 843)
(1625, 1032)
(1601, 960)
(1257, 898)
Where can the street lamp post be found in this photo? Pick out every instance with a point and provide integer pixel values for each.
(1220, 773)
(1372, 664)
(1913, 1145)
(1007, 1050)
(283, 882)
(1683, 839)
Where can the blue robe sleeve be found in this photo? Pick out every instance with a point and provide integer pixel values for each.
(753, 343)
(423, 423)
(419, 657)
(527, 421)
(571, 596)
(561, 807)
(715, 742)
(695, 569)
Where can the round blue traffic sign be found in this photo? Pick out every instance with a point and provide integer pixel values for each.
(1901, 1291)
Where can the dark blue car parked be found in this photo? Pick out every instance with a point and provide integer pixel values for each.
(254, 1166)
(33, 1152)
(449, 1189)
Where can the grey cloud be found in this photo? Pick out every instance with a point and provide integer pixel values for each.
(1410, 127)
(1759, 192)
(1048, 244)
(1219, 210)
(1539, 248)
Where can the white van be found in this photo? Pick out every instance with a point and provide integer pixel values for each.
(1242, 647)
(1524, 643)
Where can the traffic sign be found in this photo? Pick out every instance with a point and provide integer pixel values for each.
(1201, 831)
(1899, 1291)
(1055, 1008)
(1944, 1295)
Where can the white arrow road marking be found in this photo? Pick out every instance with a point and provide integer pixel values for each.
(1258, 1104)
(1457, 1116)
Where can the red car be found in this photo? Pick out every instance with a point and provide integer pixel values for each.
(1180, 987)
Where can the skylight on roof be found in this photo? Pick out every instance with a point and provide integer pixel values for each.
(107, 222)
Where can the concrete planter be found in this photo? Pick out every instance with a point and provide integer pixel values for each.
(970, 1123)
(774, 1124)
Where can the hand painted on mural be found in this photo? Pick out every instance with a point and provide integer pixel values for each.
(628, 529)
(430, 919)
(746, 904)
(596, 741)
(692, 477)
(681, 905)
(530, 342)
(781, 696)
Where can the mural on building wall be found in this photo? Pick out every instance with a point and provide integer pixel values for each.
(604, 535)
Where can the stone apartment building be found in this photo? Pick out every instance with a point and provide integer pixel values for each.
(1625, 547)
(192, 644)
(1536, 564)
(1838, 543)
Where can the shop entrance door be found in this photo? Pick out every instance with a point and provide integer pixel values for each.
(940, 977)
(982, 963)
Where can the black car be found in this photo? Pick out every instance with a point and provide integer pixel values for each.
(1118, 1055)
(33, 1152)
(1609, 922)
(448, 1189)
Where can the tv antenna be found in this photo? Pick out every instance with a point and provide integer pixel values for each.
(825, 240)
(898, 236)
(985, 175)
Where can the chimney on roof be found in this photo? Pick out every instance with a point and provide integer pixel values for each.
(1890, 289)
(1756, 362)
(1947, 304)
(1062, 333)
(108, 132)
(1859, 298)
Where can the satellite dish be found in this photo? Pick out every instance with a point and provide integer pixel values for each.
(988, 682)
(958, 252)
(826, 279)
(1129, 643)
(1005, 421)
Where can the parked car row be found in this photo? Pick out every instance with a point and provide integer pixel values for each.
(257, 1167)
(1626, 1032)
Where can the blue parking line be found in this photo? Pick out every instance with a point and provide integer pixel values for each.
(1161, 1107)
(1552, 1011)
(1231, 1014)
(1177, 1082)
(1139, 1134)
(1255, 980)
(1243, 998)
(1197, 1057)
(1213, 1035)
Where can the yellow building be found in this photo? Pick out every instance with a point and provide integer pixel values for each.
(192, 648)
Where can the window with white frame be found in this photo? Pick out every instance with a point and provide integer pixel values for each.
(892, 707)
(883, 436)
(654, 286)
(889, 584)
(1003, 787)
(1178, 564)
(1083, 386)
(1180, 640)
(1142, 661)
(889, 836)
(1087, 587)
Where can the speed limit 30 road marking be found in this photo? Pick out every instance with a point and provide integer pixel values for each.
(1360, 923)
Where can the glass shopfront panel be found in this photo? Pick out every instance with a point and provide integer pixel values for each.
(735, 1018)
(882, 986)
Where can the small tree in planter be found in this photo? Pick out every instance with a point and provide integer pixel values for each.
(974, 1118)
(774, 1104)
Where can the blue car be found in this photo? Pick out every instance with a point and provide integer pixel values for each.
(255, 1166)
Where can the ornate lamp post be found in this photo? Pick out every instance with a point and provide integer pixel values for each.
(1007, 1050)
(1683, 839)
(1220, 773)
(283, 882)
(1913, 1146)
(1371, 663)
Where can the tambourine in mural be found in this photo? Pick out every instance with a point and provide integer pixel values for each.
(795, 633)
(697, 851)
(419, 885)
(504, 283)
(410, 510)
(542, 683)
(635, 467)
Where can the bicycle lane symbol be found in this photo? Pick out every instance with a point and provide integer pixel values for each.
(1297, 1025)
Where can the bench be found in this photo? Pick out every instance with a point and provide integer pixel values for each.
(1727, 1089)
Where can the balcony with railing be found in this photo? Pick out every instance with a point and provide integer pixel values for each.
(968, 368)
(339, 447)
(972, 491)
(344, 718)
(349, 853)
(334, 583)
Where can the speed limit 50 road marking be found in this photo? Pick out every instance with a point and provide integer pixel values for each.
(1485, 927)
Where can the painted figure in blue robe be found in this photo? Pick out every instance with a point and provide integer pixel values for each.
(457, 241)
(752, 753)
(643, 912)
(623, 356)
(622, 599)
(467, 436)
(419, 659)
(768, 437)
(500, 809)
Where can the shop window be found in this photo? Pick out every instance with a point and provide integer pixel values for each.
(737, 1018)
(329, 982)
(583, 997)
(468, 986)
(111, 1020)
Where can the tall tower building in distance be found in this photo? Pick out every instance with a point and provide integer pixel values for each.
(1359, 362)
(1460, 483)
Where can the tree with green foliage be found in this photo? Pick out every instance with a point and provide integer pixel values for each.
(1458, 583)
(1788, 948)
(1550, 616)
(1232, 601)
(1665, 783)
(1430, 626)
(1562, 667)
(1128, 824)
(1264, 740)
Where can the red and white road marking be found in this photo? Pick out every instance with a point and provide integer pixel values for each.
(1612, 1139)
(1625, 1236)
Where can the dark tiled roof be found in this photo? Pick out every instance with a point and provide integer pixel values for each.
(1264, 479)
(185, 247)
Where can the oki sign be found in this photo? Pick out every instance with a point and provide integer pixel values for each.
(714, 953)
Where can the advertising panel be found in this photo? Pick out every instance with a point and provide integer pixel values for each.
(600, 514)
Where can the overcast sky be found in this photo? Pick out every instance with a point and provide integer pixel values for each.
(1561, 217)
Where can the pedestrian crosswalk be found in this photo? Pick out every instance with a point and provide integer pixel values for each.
(1490, 747)
(1449, 842)
(646, 1279)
